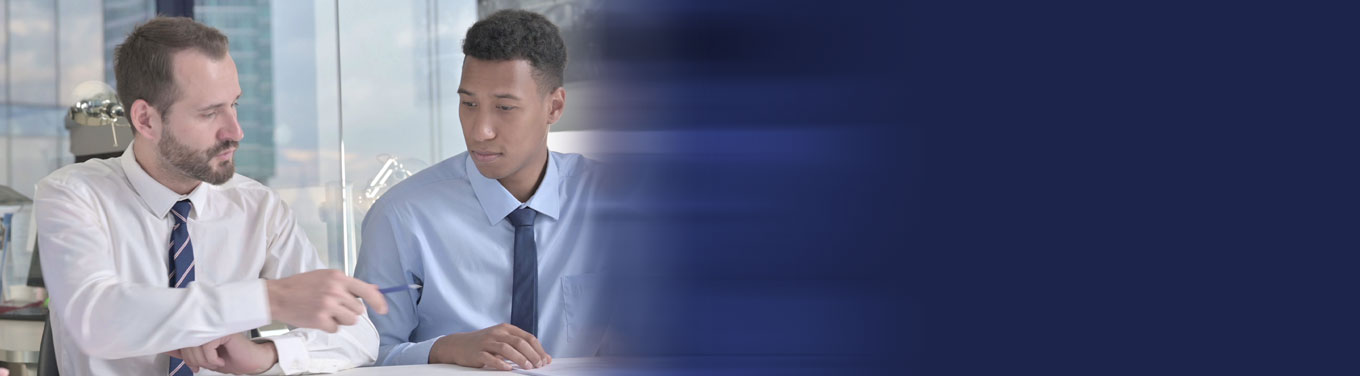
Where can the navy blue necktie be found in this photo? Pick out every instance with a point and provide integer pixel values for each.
(181, 265)
(524, 289)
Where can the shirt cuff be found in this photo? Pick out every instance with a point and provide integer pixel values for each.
(410, 353)
(273, 370)
(234, 314)
(292, 353)
(294, 359)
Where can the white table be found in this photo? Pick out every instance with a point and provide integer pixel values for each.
(563, 366)
(418, 370)
(667, 366)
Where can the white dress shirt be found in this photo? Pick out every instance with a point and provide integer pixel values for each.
(445, 228)
(104, 234)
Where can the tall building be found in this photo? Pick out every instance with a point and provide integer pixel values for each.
(247, 24)
(120, 17)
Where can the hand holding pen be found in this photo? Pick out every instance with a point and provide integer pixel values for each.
(322, 299)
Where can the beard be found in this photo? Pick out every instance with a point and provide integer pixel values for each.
(193, 163)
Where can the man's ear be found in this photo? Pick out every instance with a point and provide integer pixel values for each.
(557, 102)
(146, 119)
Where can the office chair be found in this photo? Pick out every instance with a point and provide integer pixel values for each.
(47, 355)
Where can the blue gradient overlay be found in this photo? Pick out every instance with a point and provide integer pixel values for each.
(762, 227)
(984, 188)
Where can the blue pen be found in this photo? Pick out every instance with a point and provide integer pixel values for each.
(392, 289)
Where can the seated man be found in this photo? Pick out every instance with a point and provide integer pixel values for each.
(498, 236)
(121, 237)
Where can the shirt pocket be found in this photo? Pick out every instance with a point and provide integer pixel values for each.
(584, 312)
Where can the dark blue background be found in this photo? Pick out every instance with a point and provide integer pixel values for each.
(992, 187)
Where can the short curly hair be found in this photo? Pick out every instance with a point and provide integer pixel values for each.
(514, 34)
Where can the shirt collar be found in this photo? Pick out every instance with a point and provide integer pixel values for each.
(156, 197)
(498, 202)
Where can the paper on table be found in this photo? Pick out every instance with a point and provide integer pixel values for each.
(570, 367)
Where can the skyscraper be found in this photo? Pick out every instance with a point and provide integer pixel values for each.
(247, 24)
(120, 17)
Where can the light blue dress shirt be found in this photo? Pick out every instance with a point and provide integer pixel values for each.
(445, 229)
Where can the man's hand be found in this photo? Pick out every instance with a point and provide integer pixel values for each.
(487, 348)
(322, 299)
(233, 354)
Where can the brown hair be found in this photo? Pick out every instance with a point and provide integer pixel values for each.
(142, 64)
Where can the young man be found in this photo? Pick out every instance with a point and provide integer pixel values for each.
(498, 236)
(121, 238)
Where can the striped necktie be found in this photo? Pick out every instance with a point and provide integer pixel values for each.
(181, 265)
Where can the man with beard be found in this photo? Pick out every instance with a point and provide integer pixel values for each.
(121, 238)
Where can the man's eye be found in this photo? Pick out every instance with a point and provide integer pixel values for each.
(235, 104)
(469, 104)
(506, 108)
(209, 115)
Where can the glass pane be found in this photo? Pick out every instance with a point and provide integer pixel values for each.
(78, 56)
(399, 90)
(336, 219)
(388, 88)
(285, 57)
(4, 67)
(4, 98)
(38, 145)
(32, 47)
(247, 25)
(120, 17)
(451, 24)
